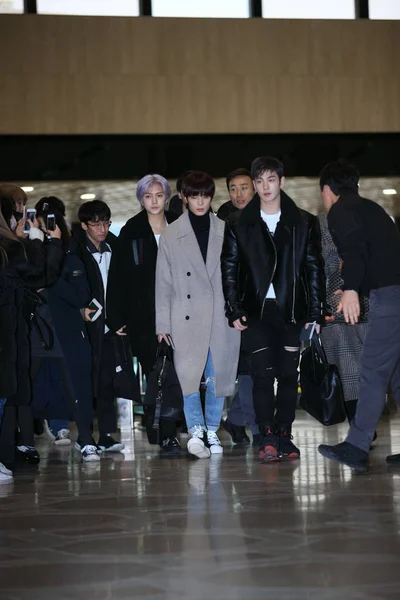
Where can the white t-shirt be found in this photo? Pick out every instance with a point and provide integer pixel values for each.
(271, 222)
(157, 236)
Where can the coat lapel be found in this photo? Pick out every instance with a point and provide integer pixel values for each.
(190, 246)
(214, 244)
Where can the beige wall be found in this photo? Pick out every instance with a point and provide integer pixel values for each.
(89, 75)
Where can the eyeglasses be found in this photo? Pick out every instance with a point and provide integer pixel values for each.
(100, 224)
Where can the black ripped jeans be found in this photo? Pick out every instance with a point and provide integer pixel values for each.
(275, 352)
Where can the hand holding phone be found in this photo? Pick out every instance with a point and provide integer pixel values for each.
(51, 222)
(29, 219)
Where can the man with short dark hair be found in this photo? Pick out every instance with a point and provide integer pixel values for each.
(273, 285)
(95, 243)
(369, 244)
(241, 190)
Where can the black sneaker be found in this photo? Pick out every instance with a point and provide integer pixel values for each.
(108, 444)
(347, 454)
(170, 447)
(286, 447)
(237, 433)
(27, 454)
(269, 446)
(38, 428)
(257, 440)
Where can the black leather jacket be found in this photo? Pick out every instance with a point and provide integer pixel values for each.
(252, 259)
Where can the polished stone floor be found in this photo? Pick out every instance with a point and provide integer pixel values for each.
(135, 526)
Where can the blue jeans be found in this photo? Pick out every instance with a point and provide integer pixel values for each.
(213, 407)
(241, 411)
(56, 425)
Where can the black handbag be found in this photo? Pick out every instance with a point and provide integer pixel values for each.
(321, 388)
(125, 383)
(163, 398)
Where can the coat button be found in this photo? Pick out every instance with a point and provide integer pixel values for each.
(188, 273)
(187, 318)
(188, 296)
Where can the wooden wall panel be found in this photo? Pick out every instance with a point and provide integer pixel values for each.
(88, 75)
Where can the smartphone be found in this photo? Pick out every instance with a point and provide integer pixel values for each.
(95, 305)
(51, 222)
(307, 334)
(29, 218)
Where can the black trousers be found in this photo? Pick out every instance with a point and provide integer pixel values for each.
(106, 413)
(275, 353)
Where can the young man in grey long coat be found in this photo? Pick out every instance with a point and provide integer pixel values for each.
(190, 308)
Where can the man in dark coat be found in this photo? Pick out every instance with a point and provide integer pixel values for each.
(272, 275)
(368, 242)
(94, 247)
(241, 412)
(131, 296)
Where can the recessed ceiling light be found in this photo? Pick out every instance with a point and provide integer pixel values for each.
(88, 196)
(390, 192)
(27, 188)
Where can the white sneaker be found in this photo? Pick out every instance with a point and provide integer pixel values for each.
(62, 438)
(6, 475)
(196, 445)
(90, 454)
(214, 443)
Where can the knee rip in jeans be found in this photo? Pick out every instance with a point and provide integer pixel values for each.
(209, 380)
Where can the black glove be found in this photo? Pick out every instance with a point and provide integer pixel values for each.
(238, 313)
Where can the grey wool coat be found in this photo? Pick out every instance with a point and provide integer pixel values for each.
(190, 306)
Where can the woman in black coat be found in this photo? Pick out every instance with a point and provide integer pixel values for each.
(24, 265)
(131, 280)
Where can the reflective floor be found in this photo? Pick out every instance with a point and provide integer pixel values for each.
(135, 526)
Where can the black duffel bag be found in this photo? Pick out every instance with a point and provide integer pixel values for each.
(163, 398)
(321, 388)
(125, 382)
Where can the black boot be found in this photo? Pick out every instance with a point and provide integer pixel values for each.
(237, 433)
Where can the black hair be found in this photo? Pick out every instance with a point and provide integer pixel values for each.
(180, 180)
(94, 210)
(340, 176)
(237, 173)
(53, 203)
(263, 164)
(46, 206)
(198, 183)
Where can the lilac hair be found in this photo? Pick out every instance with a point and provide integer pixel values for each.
(147, 181)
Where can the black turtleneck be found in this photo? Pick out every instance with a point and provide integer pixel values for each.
(201, 228)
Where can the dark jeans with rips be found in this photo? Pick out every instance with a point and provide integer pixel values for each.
(275, 356)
